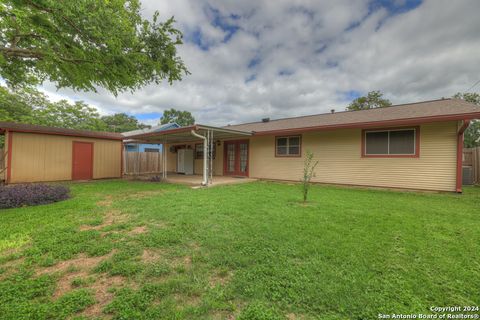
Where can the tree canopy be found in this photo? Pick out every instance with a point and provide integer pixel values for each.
(86, 44)
(472, 134)
(28, 105)
(372, 100)
(121, 122)
(182, 118)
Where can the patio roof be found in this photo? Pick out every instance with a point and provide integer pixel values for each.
(183, 134)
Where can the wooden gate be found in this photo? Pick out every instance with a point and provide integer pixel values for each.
(471, 159)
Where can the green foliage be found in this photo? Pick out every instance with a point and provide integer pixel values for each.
(309, 166)
(121, 122)
(247, 250)
(259, 311)
(182, 118)
(64, 114)
(86, 44)
(28, 105)
(472, 134)
(372, 100)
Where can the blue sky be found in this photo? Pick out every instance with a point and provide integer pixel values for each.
(260, 58)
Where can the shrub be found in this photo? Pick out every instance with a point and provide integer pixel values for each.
(308, 173)
(31, 195)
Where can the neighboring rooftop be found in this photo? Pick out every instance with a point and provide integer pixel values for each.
(152, 129)
(20, 127)
(434, 110)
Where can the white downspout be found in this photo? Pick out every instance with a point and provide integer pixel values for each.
(205, 150)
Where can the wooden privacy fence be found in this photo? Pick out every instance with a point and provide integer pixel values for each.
(142, 162)
(2, 164)
(471, 160)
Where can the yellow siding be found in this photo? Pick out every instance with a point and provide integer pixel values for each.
(42, 157)
(340, 161)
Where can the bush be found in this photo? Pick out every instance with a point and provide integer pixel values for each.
(31, 195)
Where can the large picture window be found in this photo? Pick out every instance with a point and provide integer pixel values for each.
(391, 142)
(288, 146)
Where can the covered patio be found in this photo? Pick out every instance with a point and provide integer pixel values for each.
(205, 140)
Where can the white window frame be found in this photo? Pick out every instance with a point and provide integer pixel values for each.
(288, 154)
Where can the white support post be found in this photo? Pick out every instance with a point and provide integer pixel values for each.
(211, 145)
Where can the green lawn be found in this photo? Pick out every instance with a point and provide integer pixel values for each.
(137, 250)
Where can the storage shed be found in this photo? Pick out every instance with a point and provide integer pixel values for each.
(38, 153)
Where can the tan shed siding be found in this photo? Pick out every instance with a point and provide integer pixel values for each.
(340, 161)
(42, 157)
(107, 159)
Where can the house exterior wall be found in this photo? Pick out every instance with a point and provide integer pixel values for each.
(43, 157)
(198, 165)
(340, 160)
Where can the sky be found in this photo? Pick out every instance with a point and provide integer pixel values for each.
(253, 59)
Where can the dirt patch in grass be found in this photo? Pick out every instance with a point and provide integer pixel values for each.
(107, 202)
(220, 278)
(64, 284)
(111, 217)
(103, 296)
(82, 262)
(138, 230)
(187, 301)
(146, 194)
(150, 255)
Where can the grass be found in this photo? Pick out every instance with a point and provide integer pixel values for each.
(136, 250)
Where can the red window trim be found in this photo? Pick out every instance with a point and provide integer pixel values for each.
(289, 155)
(417, 143)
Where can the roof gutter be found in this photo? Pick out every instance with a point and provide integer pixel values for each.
(205, 152)
(460, 136)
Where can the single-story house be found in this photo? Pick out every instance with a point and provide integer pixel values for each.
(412, 146)
(144, 147)
(37, 153)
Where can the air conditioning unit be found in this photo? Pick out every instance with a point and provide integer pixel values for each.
(185, 161)
(467, 176)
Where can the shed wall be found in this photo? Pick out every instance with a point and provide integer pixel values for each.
(43, 157)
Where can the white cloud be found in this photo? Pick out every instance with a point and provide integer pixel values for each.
(304, 56)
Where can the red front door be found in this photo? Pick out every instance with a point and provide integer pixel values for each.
(236, 158)
(82, 161)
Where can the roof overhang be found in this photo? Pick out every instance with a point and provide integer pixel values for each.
(374, 124)
(13, 127)
(184, 134)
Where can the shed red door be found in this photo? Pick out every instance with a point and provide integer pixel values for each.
(82, 161)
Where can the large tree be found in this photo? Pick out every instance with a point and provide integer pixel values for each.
(472, 134)
(77, 115)
(182, 118)
(374, 99)
(122, 122)
(28, 105)
(86, 44)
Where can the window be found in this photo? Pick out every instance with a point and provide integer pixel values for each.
(393, 142)
(132, 148)
(287, 146)
(199, 151)
(151, 150)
